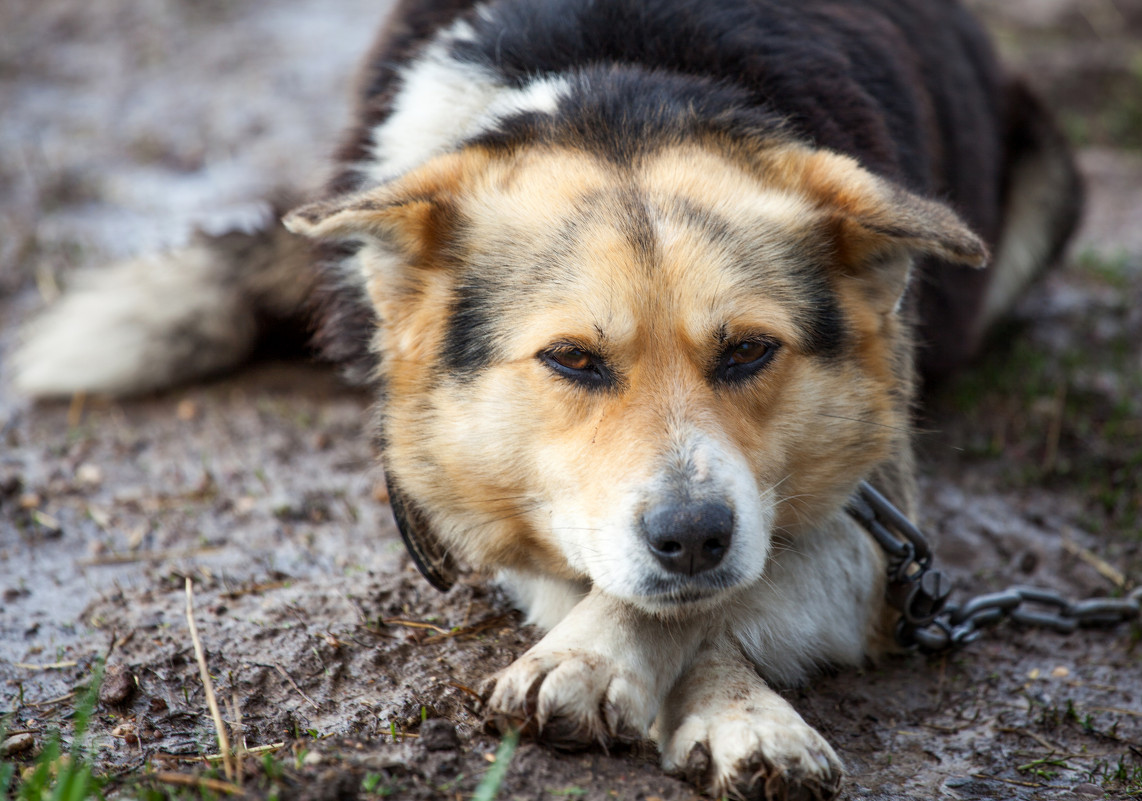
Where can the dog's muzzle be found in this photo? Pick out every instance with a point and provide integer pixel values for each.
(688, 538)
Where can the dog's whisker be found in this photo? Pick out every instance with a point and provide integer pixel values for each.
(873, 423)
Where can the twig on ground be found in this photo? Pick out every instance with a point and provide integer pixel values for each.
(51, 666)
(467, 631)
(1117, 711)
(1094, 685)
(239, 735)
(376, 632)
(1107, 571)
(413, 624)
(293, 684)
(75, 410)
(201, 782)
(1055, 761)
(118, 642)
(468, 690)
(208, 685)
(59, 699)
(1005, 781)
(1052, 747)
(148, 556)
(257, 750)
(255, 589)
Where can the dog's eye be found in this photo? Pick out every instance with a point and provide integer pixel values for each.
(740, 360)
(572, 359)
(748, 352)
(577, 364)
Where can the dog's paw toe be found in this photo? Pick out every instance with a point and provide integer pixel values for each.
(569, 700)
(755, 755)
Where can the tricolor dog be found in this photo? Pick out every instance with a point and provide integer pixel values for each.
(645, 288)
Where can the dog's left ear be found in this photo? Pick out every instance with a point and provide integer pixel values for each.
(880, 228)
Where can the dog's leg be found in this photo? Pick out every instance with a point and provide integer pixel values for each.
(821, 601)
(599, 676)
(724, 729)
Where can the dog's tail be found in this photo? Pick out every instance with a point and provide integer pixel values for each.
(157, 321)
(1043, 201)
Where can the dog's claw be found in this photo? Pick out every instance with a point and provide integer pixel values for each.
(755, 756)
(696, 769)
(572, 700)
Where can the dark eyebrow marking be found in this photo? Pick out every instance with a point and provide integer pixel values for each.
(803, 285)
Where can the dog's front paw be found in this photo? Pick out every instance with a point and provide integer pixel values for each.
(570, 699)
(755, 753)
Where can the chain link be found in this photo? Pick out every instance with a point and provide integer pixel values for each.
(929, 622)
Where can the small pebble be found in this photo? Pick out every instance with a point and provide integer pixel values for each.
(1086, 788)
(118, 686)
(17, 744)
(89, 475)
(128, 732)
(245, 505)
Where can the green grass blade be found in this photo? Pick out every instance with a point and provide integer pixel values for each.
(489, 786)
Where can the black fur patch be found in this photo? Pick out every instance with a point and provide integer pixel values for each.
(807, 291)
(847, 76)
(469, 344)
(624, 112)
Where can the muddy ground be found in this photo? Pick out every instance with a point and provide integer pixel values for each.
(127, 124)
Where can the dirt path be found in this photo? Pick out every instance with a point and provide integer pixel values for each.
(127, 124)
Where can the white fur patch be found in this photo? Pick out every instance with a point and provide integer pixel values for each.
(137, 326)
(814, 605)
(544, 600)
(442, 102)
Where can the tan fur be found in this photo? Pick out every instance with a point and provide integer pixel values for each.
(652, 267)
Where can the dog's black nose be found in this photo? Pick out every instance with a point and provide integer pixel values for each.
(689, 538)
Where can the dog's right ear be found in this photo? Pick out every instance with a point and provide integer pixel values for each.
(408, 216)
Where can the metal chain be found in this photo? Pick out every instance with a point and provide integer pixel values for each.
(929, 622)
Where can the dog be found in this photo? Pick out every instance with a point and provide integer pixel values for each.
(646, 288)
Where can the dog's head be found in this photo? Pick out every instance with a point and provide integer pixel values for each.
(638, 374)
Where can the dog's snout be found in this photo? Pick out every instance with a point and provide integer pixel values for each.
(689, 538)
